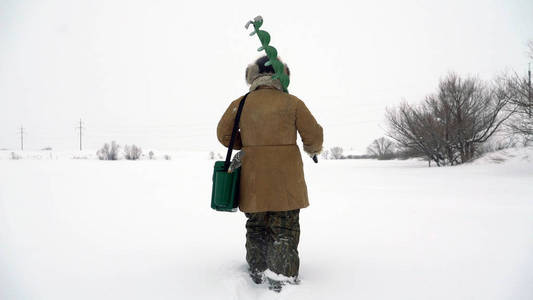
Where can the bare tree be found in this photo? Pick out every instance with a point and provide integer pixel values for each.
(413, 131)
(381, 148)
(108, 152)
(520, 94)
(450, 125)
(517, 88)
(336, 153)
(132, 152)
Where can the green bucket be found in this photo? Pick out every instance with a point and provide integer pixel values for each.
(225, 193)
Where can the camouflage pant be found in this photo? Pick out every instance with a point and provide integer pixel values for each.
(272, 242)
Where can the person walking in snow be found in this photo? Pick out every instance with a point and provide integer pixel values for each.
(272, 186)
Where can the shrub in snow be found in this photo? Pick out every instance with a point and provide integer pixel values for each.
(451, 125)
(151, 154)
(15, 156)
(167, 157)
(336, 153)
(80, 157)
(506, 142)
(516, 88)
(381, 148)
(409, 153)
(108, 152)
(354, 156)
(132, 152)
(211, 155)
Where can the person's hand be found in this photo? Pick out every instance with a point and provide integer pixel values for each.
(236, 161)
(314, 156)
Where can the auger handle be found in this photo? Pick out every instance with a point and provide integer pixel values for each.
(270, 51)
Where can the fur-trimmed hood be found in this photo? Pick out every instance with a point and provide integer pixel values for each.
(266, 80)
(258, 74)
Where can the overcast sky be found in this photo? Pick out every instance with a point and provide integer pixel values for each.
(161, 73)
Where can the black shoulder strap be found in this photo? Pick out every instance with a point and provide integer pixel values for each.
(234, 132)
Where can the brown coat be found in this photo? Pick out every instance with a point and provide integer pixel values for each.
(272, 176)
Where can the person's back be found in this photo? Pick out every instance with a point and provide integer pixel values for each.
(272, 187)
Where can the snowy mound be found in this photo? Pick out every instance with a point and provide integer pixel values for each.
(518, 155)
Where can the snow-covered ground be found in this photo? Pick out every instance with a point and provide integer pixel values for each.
(89, 229)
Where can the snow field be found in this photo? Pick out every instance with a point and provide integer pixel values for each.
(88, 229)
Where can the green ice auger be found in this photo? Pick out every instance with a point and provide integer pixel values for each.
(270, 51)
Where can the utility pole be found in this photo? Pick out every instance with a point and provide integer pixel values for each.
(80, 127)
(21, 138)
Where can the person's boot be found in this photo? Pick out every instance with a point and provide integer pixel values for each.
(275, 285)
(257, 276)
(295, 281)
